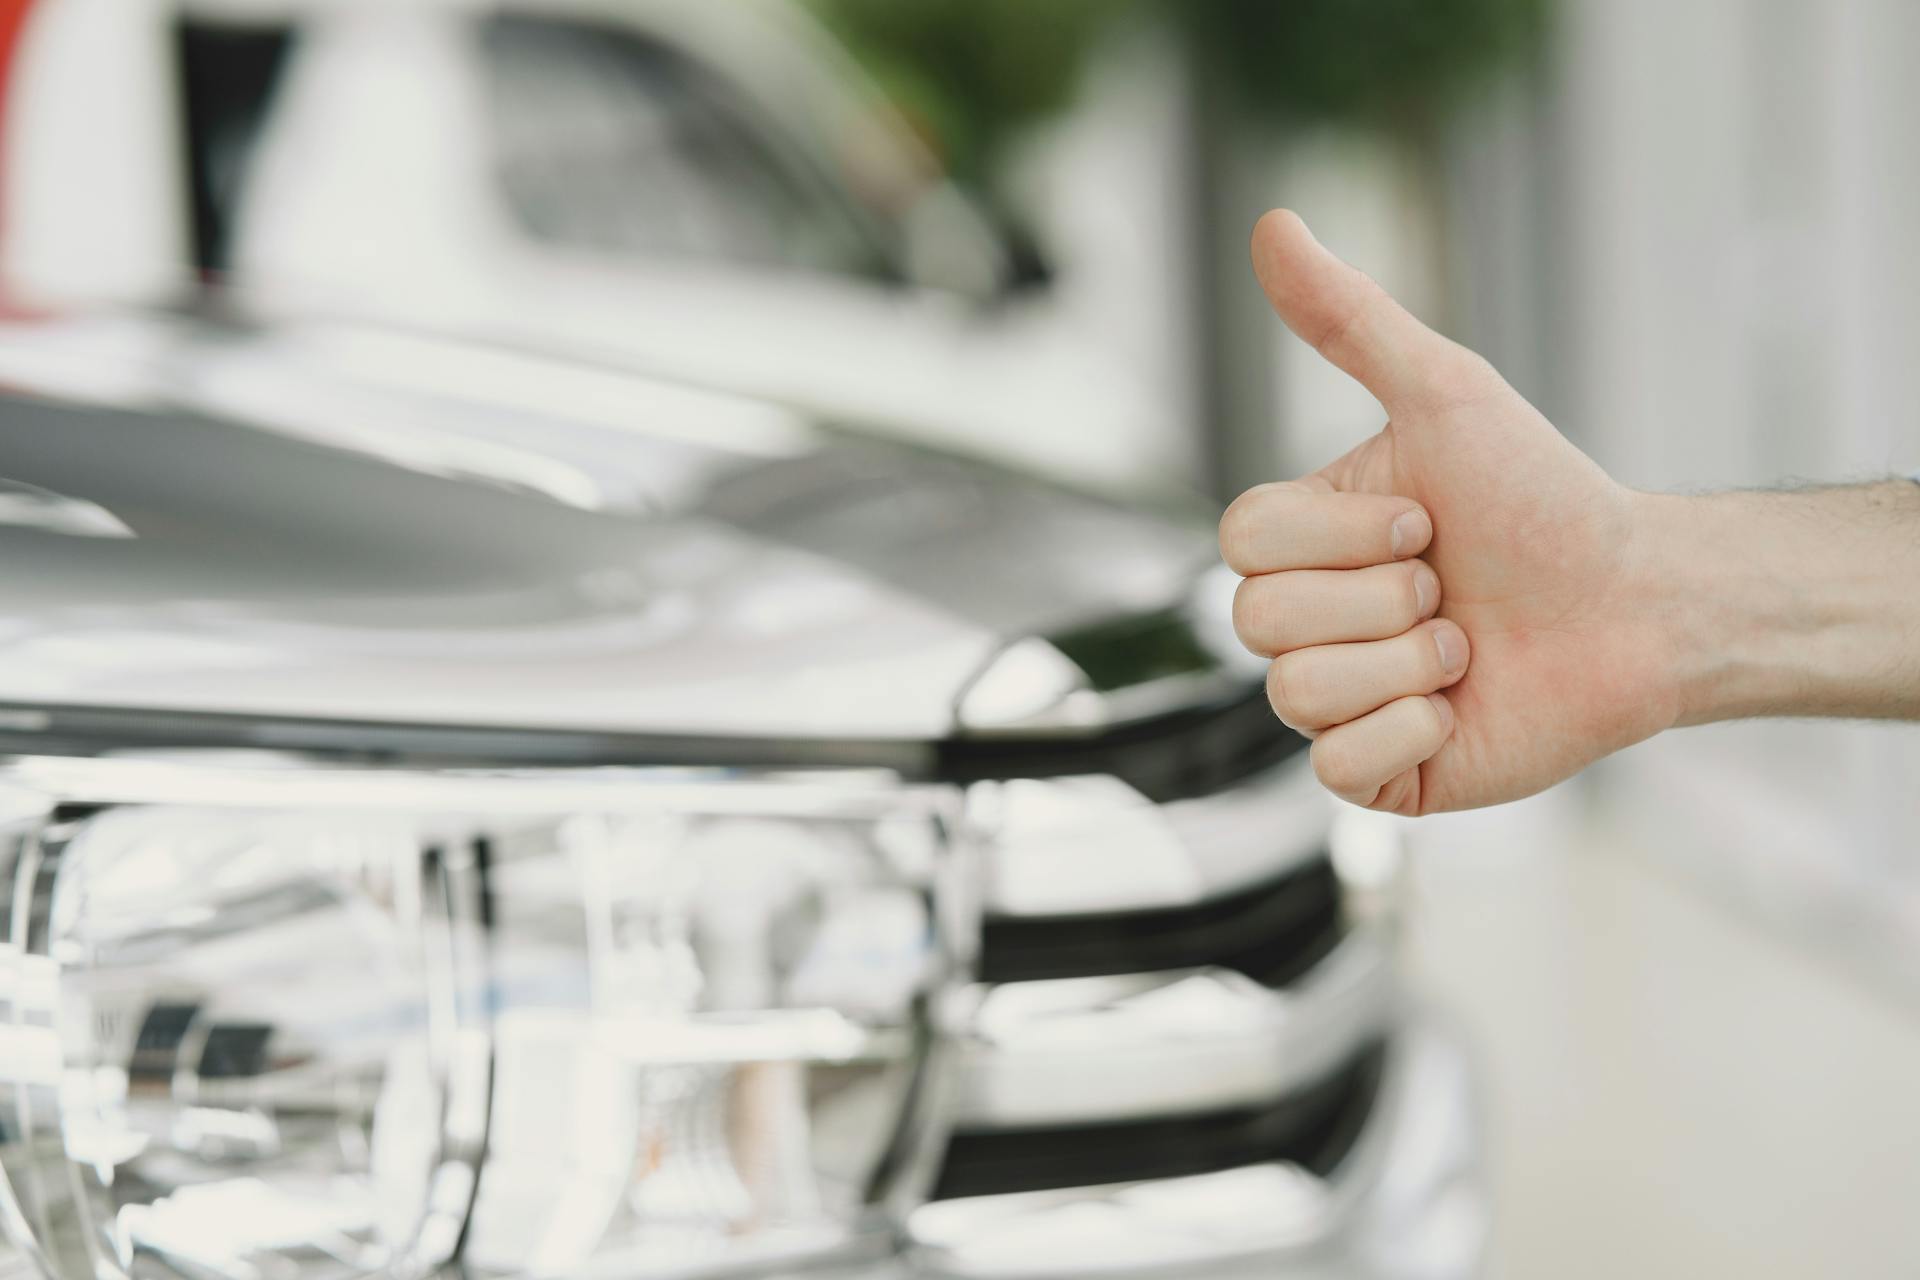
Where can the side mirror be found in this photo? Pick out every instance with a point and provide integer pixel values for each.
(952, 247)
(1028, 268)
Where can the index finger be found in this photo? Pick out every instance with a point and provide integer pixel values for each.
(1277, 527)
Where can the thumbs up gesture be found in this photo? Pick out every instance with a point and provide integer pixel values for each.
(1450, 608)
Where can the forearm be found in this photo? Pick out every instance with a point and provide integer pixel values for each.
(1797, 603)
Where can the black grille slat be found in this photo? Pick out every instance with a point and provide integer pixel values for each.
(1272, 932)
(1179, 756)
(1315, 1127)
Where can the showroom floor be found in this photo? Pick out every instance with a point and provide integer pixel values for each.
(1674, 1092)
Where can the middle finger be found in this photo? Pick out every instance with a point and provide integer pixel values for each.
(1275, 612)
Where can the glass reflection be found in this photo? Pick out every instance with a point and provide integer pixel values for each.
(236, 1043)
(728, 1082)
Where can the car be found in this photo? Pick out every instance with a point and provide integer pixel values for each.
(461, 802)
(710, 192)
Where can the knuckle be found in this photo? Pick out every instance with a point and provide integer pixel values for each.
(1345, 335)
(1422, 725)
(1400, 794)
(1339, 768)
(1247, 521)
(1277, 695)
(1285, 695)
(1301, 691)
(1255, 618)
(1260, 615)
(1463, 376)
(1238, 530)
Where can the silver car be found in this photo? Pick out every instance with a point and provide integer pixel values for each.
(465, 804)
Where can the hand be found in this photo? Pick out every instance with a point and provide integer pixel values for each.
(1454, 609)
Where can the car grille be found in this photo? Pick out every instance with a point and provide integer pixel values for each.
(1304, 997)
(1314, 1127)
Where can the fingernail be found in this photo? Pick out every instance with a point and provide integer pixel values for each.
(1426, 591)
(1445, 708)
(1452, 647)
(1410, 530)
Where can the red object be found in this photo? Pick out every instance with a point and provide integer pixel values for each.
(13, 20)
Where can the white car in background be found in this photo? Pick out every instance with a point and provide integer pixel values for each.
(707, 190)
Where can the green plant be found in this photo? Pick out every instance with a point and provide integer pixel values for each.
(973, 73)
(1379, 60)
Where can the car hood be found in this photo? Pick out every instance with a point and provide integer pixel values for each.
(186, 550)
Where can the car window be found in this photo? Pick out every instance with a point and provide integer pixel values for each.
(228, 75)
(607, 141)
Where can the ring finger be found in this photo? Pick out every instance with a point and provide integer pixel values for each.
(1316, 688)
(1275, 612)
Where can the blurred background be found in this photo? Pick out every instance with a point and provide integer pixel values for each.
(1687, 232)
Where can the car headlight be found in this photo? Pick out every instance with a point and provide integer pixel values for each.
(301, 1022)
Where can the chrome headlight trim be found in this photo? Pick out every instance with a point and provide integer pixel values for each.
(107, 780)
(1094, 845)
(470, 832)
(1076, 1051)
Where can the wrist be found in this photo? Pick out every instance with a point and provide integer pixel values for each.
(1688, 585)
(1778, 603)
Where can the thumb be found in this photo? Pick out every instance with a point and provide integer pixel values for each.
(1343, 314)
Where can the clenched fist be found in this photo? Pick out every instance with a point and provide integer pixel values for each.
(1446, 606)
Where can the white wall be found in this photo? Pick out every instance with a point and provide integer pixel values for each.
(1723, 209)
